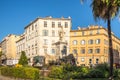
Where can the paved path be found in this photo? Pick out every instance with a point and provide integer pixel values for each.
(7, 78)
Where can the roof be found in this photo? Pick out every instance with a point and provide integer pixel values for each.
(48, 18)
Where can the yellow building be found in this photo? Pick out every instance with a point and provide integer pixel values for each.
(90, 45)
(8, 46)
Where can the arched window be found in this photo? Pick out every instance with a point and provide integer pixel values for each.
(83, 42)
(90, 41)
(75, 42)
(98, 41)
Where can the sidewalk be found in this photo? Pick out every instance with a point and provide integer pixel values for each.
(7, 78)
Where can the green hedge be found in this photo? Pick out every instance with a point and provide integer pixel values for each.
(56, 72)
(21, 72)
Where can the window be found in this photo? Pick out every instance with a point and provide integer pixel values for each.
(83, 33)
(45, 23)
(97, 50)
(75, 51)
(97, 61)
(53, 51)
(98, 31)
(53, 33)
(59, 24)
(91, 32)
(35, 25)
(53, 24)
(90, 61)
(83, 42)
(75, 42)
(45, 41)
(83, 51)
(45, 32)
(98, 41)
(90, 41)
(90, 51)
(36, 50)
(82, 59)
(29, 30)
(75, 33)
(32, 27)
(117, 48)
(45, 50)
(66, 25)
(106, 51)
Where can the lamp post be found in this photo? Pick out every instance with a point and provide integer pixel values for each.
(76, 57)
(93, 60)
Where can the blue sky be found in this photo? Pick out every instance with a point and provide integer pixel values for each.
(16, 14)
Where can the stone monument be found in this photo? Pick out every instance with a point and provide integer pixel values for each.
(61, 45)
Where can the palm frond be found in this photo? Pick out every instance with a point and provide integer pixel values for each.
(100, 9)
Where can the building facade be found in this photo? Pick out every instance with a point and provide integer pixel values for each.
(8, 46)
(41, 35)
(90, 46)
(20, 45)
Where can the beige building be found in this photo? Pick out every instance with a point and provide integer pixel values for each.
(20, 45)
(41, 35)
(8, 46)
(90, 46)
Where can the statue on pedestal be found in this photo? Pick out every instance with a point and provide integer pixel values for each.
(61, 34)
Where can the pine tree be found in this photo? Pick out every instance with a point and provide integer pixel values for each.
(23, 59)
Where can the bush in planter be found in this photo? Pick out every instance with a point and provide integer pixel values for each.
(20, 72)
(56, 72)
(83, 71)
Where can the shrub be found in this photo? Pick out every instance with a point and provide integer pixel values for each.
(95, 73)
(117, 73)
(56, 72)
(23, 59)
(74, 72)
(83, 71)
(20, 72)
(104, 68)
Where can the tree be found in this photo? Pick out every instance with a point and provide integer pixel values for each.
(106, 10)
(23, 59)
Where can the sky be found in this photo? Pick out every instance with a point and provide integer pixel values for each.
(16, 14)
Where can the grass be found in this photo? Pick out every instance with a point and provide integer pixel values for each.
(96, 79)
(46, 78)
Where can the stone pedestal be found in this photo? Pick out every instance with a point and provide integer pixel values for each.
(61, 49)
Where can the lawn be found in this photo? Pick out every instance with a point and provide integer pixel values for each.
(45, 78)
(95, 79)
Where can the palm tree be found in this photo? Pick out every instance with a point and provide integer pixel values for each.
(106, 10)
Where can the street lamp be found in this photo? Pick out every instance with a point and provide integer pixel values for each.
(76, 57)
(93, 60)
